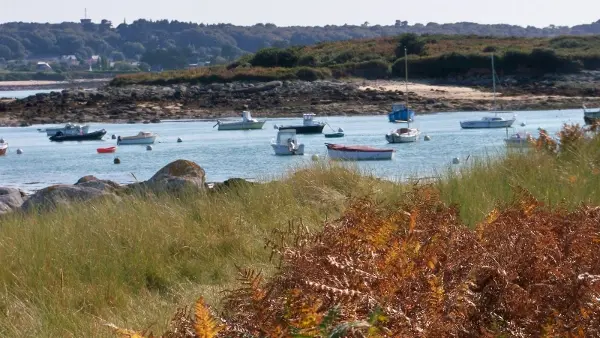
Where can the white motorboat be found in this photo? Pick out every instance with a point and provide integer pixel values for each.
(3, 147)
(591, 116)
(143, 137)
(287, 143)
(68, 129)
(488, 121)
(520, 139)
(247, 123)
(357, 153)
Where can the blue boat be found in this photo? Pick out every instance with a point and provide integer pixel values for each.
(401, 113)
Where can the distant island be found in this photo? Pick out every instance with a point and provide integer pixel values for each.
(71, 49)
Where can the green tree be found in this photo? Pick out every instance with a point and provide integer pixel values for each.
(133, 50)
(275, 57)
(413, 44)
(117, 56)
(5, 52)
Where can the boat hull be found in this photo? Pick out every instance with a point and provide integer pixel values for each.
(316, 129)
(108, 150)
(402, 138)
(591, 117)
(242, 125)
(486, 124)
(94, 136)
(3, 149)
(334, 135)
(138, 141)
(283, 150)
(337, 152)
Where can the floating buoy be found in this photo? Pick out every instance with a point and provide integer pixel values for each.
(315, 157)
(179, 140)
(456, 160)
(149, 148)
(427, 138)
(19, 151)
(522, 124)
(114, 137)
(117, 160)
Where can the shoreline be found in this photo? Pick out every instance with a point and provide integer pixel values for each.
(152, 104)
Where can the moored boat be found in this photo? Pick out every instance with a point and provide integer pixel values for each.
(68, 129)
(520, 139)
(401, 113)
(247, 123)
(3, 147)
(286, 143)
(403, 135)
(335, 134)
(591, 116)
(357, 153)
(143, 137)
(308, 126)
(107, 150)
(408, 134)
(96, 135)
(490, 121)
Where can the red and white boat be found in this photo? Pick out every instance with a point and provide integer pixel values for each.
(357, 153)
(106, 150)
(3, 147)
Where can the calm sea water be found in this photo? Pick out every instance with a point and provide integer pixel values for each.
(19, 94)
(248, 154)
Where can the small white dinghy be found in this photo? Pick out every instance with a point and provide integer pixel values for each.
(287, 143)
(143, 137)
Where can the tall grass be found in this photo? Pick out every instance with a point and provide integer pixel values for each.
(133, 263)
(564, 180)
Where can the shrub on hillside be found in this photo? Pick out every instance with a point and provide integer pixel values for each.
(373, 69)
(308, 61)
(275, 57)
(413, 44)
(312, 74)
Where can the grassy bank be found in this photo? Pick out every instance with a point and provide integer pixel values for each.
(134, 263)
(430, 56)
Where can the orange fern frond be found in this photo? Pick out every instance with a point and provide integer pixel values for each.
(204, 324)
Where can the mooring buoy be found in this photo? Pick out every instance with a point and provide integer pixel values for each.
(19, 151)
(149, 148)
(179, 140)
(456, 160)
(117, 160)
(427, 138)
(114, 137)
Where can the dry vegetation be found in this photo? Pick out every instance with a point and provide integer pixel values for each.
(528, 267)
(507, 247)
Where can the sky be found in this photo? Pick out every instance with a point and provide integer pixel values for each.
(539, 13)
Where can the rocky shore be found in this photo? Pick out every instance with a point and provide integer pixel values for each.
(146, 104)
(177, 177)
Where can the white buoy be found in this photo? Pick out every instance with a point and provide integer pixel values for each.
(179, 140)
(315, 157)
(149, 148)
(456, 160)
(427, 138)
(19, 151)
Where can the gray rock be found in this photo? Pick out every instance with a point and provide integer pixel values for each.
(54, 196)
(103, 185)
(177, 176)
(10, 199)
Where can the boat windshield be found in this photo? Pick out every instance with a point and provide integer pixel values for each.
(284, 135)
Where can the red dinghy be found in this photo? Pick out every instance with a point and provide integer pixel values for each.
(106, 150)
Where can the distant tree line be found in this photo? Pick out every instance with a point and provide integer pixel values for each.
(173, 44)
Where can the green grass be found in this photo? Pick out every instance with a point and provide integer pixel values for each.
(63, 273)
(133, 263)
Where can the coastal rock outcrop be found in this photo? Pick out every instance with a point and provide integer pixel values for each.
(177, 176)
(10, 199)
(86, 189)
